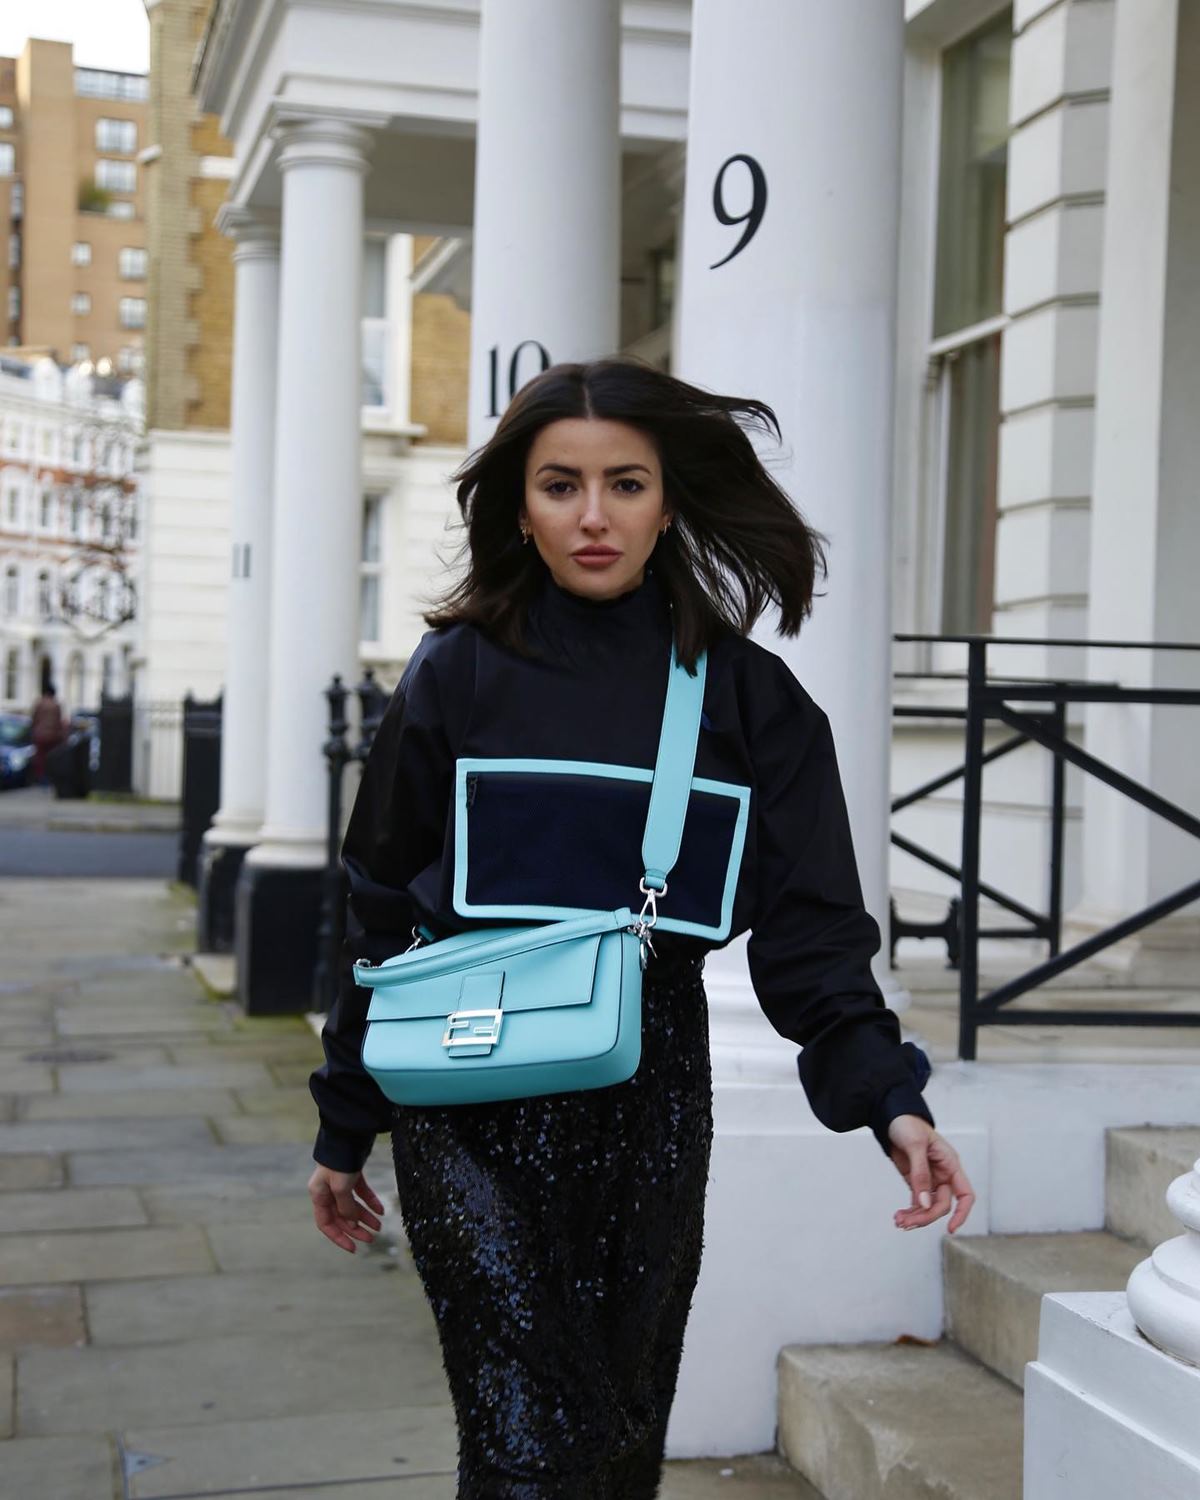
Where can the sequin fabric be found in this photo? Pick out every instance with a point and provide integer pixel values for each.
(558, 1240)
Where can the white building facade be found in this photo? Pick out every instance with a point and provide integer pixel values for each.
(984, 375)
(70, 544)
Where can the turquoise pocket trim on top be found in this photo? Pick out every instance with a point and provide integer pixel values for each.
(466, 765)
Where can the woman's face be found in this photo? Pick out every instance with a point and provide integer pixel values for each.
(594, 488)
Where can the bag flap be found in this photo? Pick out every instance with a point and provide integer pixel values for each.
(548, 977)
(461, 948)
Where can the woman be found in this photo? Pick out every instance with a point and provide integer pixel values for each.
(558, 1238)
(47, 729)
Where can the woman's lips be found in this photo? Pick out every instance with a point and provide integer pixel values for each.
(595, 559)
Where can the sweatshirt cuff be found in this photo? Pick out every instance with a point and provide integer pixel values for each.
(342, 1150)
(901, 1099)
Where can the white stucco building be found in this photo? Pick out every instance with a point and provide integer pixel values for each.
(69, 539)
(954, 244)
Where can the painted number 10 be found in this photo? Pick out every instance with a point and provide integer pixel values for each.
(753, 216)
(514, 381)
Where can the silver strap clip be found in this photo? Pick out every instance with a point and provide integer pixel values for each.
(643, 924)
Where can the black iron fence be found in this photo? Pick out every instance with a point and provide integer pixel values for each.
(339, 752)
(994, 698)
(114, 773)
(200, 794)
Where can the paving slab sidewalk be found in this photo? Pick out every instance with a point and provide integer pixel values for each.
(171, 1324)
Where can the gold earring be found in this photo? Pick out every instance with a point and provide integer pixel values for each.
(525, 535)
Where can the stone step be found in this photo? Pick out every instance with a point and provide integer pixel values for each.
(1141, 1163)
(994, 1284)
(899, 1422)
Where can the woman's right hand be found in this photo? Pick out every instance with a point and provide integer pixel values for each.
(344, 1207)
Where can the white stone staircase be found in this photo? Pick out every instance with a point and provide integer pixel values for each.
(943, 1421)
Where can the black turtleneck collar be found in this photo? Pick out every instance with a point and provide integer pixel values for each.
(563, 616)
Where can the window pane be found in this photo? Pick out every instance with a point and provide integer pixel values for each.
(969, 543)
(370, 540)
(369, 608)
(374, 364)
(971, 180)
(374, 279)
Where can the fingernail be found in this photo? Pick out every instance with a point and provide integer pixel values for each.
(923, 1199)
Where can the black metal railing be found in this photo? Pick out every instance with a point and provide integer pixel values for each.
(339, 752)
(993, 698)
(200, 780)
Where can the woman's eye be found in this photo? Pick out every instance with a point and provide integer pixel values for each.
(637, 485)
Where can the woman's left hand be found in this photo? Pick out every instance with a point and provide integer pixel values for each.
(935, 1176)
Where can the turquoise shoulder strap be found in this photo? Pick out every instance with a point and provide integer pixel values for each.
(673, 770)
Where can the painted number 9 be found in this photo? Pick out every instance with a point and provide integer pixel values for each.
(753, 216)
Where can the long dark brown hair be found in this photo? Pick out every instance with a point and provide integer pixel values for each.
(736, 542)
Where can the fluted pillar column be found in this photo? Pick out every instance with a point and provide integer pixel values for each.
(316, 522)
(545, 273)
(788, 293)
(252, 438)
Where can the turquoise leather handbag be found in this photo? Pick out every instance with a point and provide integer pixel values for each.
(537, 1008)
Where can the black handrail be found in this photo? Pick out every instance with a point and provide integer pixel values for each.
(992, 698)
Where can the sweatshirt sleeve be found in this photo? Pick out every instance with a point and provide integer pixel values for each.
(396, 829)
(812, 939)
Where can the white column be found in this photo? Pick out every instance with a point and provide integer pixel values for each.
(317, 507)
(546, 237)
(803, 316)
(252, 439)
(1145, 522)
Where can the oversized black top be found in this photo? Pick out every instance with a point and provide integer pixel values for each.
(766, 844)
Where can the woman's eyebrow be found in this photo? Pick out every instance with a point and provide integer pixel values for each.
(613, 469)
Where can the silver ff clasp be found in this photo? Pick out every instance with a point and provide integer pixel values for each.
(645, 922)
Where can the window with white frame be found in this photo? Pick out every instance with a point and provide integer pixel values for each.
(131, 263)
(14, 250)
(45, 603)
(46, 510)
(130, 360)
(116, 135)
(374, 324)
(12, 673)
(963, 423)
(133, 312)
(16, 199)
(76, 516)
(370, 568)
(12, 591)
(14, 303)
(81, 302)
(81, 253)
(8, 158)
(12, 506)
(6, 117)
(117, 176)
(120, 208)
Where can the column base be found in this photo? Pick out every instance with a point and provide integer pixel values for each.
(217, 872)
(277, 917)
(1107, 1414)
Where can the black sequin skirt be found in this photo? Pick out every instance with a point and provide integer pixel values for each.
(558, 1240)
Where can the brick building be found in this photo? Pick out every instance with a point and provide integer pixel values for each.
(73, 284)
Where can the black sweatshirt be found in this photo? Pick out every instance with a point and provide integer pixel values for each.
(766, 844)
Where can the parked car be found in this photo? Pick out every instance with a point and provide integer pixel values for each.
(16, 749)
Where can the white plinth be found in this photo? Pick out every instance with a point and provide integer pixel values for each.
(1107, 1415)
